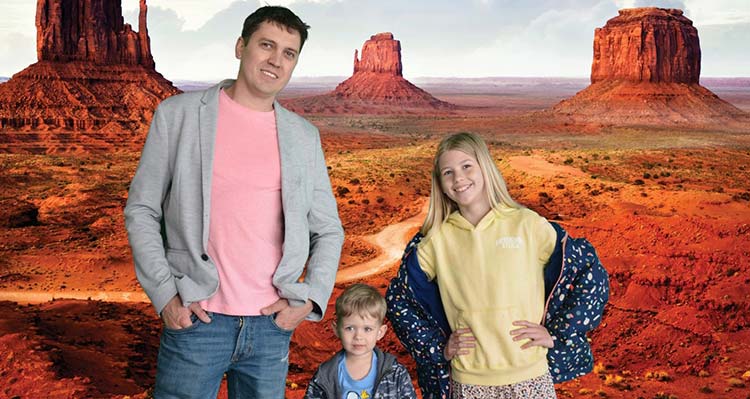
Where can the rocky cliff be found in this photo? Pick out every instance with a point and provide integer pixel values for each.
(646, 70)
(377, 85)
(647, 45)
(95, 76)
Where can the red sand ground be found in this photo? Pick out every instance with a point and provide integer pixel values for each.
(668, 212)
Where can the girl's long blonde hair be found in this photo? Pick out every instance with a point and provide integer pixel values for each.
(497, 192)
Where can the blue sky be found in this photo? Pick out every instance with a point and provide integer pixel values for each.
(194, 39)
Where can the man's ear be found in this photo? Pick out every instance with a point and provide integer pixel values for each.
(381, 331)
(238, 48)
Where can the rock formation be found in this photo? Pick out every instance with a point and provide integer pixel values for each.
(94, 76)
(646, 69)
(377, 84)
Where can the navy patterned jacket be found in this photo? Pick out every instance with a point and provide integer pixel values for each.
(576, 288)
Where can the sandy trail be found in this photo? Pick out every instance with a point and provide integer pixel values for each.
(391, 242)
(539, 167)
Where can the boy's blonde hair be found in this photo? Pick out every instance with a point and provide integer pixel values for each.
(497, 192)
(360, 299)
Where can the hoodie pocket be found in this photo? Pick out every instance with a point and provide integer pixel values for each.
(495, 348)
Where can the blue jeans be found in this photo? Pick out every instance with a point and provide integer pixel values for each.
(252, 350)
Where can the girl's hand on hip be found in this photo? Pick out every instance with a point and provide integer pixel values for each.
(535, 333)
(459, 343)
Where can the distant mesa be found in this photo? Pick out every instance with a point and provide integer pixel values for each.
(377, 85)
(94, 76)
(646, 70)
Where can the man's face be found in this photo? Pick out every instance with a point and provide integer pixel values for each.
(267, 59)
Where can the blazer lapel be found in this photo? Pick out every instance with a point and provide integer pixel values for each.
(207, 116)
(285, 132)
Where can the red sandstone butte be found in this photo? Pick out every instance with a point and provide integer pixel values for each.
(377, 84)
(646, 69)
(94, 76)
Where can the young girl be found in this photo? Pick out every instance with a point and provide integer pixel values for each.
(494, 262)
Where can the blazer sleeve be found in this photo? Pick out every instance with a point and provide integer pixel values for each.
(143, 215)
(326, 235)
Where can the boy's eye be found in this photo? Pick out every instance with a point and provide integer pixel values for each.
(368, 329)
(291, 55)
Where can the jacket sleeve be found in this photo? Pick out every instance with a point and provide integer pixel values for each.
(405, 386)
(143, 215)
(419, 333)
(314, 390)
(326, 236)
(582, 299)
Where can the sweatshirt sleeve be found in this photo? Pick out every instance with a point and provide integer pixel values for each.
(545, 237)
(426, 257)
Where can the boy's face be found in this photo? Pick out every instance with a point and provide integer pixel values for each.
(359, 333)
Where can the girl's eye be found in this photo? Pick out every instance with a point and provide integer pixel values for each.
(447, 172)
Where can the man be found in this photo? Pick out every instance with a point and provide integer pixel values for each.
(230, 201)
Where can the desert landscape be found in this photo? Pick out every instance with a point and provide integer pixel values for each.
(664, 199)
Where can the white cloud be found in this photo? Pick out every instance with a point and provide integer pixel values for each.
(718, 12)
(195, 13)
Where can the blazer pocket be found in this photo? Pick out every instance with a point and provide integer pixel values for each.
(179, 261)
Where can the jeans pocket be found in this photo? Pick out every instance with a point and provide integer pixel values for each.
(194, 323)
(272, 318)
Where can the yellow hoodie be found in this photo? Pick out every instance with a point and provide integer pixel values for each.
(490, 275)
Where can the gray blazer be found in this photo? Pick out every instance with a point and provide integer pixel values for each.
(167, 212)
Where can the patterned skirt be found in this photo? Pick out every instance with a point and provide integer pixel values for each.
(541, 387)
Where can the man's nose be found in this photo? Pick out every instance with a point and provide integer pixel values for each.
(275, 59)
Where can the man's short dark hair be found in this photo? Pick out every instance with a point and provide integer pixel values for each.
(274, 14)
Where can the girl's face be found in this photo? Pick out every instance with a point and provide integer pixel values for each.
(462, 181)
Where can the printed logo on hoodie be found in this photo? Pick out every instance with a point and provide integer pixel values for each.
(509, 242)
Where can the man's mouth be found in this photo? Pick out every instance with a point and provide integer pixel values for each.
(269, 74)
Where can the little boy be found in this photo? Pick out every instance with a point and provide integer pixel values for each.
(360, 371)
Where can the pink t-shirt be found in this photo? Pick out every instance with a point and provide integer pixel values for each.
(246, 231)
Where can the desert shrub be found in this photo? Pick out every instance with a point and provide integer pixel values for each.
(735, 382)
(658, 375)
(568, 161)
(616, 381)
(639, 182)
(342, 191)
